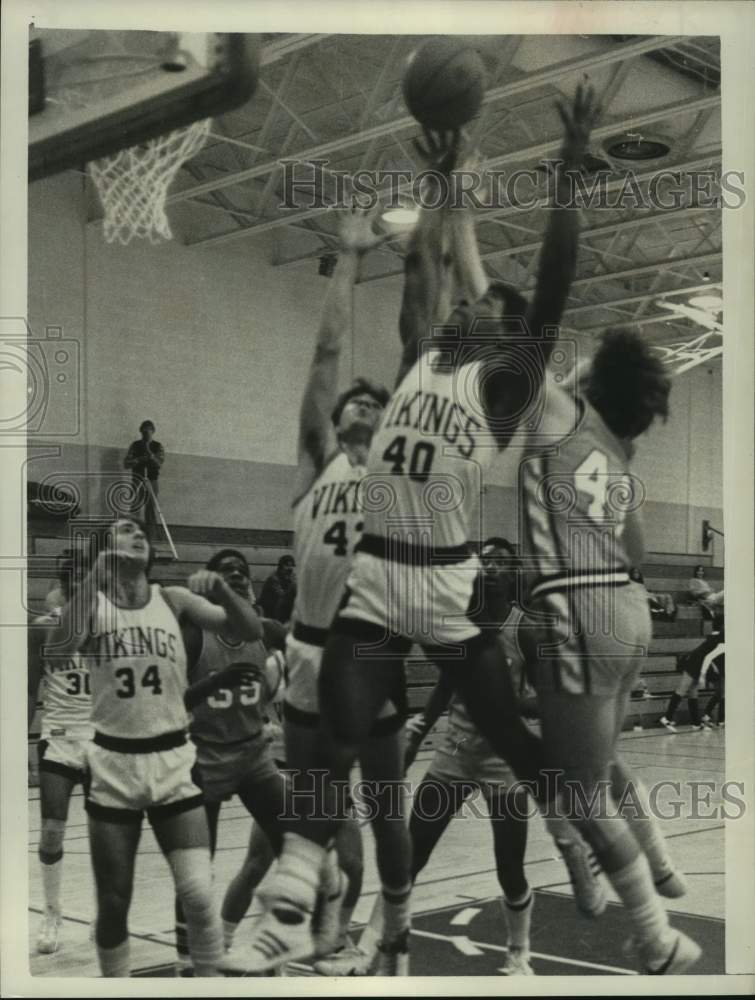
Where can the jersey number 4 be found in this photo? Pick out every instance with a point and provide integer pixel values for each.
(127, 678)
(592, 478)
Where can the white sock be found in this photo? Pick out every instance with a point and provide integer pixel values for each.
(518, 914)
(373, 932)
(634, 886)
(115, 962)
(51, 879)
(229, 929)
(396, 911)
(647, 832)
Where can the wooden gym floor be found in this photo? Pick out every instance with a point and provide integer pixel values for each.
(457, 929)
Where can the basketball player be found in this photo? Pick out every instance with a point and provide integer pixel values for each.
(334, 438)
(231, 685)
(140, 760)
(692, 665)
(413, 573)
(580, 534)
(65, 732)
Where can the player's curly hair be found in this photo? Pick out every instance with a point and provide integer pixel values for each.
(627, 383)
(360, 385)
(217, 558)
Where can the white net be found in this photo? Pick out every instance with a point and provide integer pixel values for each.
(133, 184)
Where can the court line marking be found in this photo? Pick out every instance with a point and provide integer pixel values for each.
(534, 954)
(465, 916)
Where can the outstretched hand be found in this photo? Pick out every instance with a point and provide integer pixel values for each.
(356, 233)
(579, 120)
(440, 150)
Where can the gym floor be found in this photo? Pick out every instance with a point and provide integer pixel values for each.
(457, 928)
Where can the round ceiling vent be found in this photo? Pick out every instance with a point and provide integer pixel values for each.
(635, 146)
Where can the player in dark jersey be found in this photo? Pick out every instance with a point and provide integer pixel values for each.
(413, 573)
(580, 533)
(230, 687)
(140, 759)
(65, 731)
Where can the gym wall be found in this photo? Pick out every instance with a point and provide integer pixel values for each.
(214, 345)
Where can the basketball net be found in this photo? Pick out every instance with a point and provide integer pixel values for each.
(133, 184)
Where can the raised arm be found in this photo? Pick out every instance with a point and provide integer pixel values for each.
(315, 430)
(210, 603)
(558, 255)
(471, 279)
(427, 266)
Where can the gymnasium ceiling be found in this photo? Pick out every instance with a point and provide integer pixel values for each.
(338, 97)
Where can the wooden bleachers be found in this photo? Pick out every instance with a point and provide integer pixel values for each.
(663, 572)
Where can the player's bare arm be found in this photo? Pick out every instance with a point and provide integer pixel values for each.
(35, 639)
(315, 434)
(210, 603)
(558, 256)
(427, 281)
(471, 279)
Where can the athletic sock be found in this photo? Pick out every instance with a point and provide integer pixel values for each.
(517, 913)
(297, 879)
(634, 886)
(647, 833)
(694, 711)
(52, 873)
(373, 932)
(229, 929)
(673, 703)
(396, 911)
(115, 963)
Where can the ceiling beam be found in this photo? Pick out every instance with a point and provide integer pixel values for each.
(530, 81)
(634, 299)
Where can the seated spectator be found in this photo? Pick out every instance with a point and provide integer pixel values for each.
(662, 606)
(278, 591)
(702, 592)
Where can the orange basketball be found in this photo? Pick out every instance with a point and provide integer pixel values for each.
(444, 83)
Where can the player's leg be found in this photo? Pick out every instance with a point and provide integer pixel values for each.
(238, 896)
(56, 784)
(484, 684)
(113, 844)
(436, 801)
(382, 760)
(184, 966)
(579, 732)
(509, 808)
(183, 837)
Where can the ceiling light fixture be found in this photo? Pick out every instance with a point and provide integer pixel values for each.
(635, 146)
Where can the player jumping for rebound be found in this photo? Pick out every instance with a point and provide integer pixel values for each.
(413, 572)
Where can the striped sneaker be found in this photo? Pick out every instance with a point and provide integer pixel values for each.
(517, 963)
(667, 723)
(347, 961)
(283, 934)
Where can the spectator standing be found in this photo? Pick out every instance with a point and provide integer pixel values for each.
(145, 458)
(278, 591)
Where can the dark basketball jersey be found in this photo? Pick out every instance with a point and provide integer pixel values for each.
(232, 714)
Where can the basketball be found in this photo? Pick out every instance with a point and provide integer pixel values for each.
(444, 83)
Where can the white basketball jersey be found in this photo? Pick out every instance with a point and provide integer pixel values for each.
(327, 525)
(137, 666)
(424, 471)
(66, 699)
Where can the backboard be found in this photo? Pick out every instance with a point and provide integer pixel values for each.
(92, 93)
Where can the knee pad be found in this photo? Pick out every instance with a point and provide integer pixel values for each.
(51, 840)
(192, 873)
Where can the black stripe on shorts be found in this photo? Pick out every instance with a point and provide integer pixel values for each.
(151, 744)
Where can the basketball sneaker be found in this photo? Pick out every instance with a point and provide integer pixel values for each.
(663, 721)
(393, 956)
(584, 874)
(517, 963)
(283, 934)
(48, 939)
(347, 961)
(681, 956)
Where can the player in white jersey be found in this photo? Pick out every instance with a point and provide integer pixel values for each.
(334, 438)
(412, 579)
(140, 758)
(65, 731)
